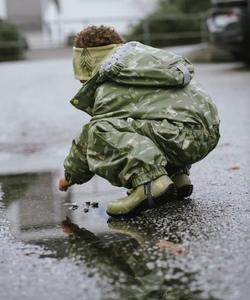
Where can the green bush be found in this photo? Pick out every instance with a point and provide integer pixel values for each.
(174, 22)
(169, 30)
(13, 44)
(70, 39)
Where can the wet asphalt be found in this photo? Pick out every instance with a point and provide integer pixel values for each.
(195, 248)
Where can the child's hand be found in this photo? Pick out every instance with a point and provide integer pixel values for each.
(64, 184)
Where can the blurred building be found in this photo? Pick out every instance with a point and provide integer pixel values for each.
(50, 23)
(26, 14)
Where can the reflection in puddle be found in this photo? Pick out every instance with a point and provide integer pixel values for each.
(141, 258)
(34, 209)
(134, 264)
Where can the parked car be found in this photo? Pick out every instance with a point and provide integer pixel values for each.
(229, 27)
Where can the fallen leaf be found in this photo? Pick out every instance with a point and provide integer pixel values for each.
(233, 168)
(169, 245)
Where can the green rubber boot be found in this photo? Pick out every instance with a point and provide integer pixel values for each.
(144, 197)
(184, 185)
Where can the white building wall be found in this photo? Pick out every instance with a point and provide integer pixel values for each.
(3, 13)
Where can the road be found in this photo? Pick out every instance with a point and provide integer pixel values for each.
(196, 248)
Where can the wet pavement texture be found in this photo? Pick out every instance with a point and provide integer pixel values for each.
(58, 245)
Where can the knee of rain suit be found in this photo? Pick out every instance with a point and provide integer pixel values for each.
(121, 155)
(182, 144)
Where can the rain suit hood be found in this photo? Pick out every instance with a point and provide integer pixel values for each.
(138, 65)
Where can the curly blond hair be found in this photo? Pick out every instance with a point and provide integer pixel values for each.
(94, 36)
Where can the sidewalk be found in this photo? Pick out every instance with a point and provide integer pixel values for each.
(200, 53)
(49, 53)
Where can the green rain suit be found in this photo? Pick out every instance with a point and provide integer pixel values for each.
(147, 115)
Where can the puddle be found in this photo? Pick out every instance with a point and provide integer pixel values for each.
(36, 208)
(163, 254)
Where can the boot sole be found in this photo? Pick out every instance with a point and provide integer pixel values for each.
(169, 194)
(185, 191)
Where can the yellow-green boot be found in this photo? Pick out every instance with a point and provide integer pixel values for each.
(144, 197)
(184, 185)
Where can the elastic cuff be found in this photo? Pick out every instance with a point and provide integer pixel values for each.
(143, 178)
(174, 170)
(67, 176)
